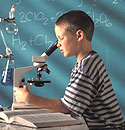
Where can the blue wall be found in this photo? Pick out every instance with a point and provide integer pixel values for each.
(36, 18)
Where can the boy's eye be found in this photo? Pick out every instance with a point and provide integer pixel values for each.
(61, 38)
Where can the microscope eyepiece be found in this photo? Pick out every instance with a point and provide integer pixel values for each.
(52, 49)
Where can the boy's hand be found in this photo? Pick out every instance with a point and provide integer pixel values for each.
(21, 94)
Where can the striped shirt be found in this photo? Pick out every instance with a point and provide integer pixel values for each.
(90, 94)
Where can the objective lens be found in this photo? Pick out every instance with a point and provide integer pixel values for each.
(11, 28)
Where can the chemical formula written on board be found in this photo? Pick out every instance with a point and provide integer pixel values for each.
(41, 17)
(38, 40)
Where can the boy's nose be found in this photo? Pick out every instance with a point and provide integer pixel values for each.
(58, 44)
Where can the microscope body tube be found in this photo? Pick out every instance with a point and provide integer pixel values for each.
(52, 49)
(37, 60)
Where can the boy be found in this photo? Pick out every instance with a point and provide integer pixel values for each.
(89, 93)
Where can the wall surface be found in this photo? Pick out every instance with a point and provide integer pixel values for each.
(36, 19)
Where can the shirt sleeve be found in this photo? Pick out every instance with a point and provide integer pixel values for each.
(79, 93)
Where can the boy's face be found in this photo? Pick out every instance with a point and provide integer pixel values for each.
(66, 41)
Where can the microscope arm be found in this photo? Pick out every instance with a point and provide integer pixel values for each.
(18, 74)
(18, 78)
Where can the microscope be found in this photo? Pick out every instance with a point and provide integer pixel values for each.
(39, 62)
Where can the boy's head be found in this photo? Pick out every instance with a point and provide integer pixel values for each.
(75, 20)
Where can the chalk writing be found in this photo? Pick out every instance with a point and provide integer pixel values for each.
(116, 1)
(57, 15)
(36, 16)
(81, 3)
(38, 40)
(102, 19)
(19, 2)
(94, 3)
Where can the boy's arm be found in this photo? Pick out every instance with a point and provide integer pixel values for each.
(53, 105)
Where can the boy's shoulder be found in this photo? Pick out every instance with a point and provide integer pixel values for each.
(89, 62)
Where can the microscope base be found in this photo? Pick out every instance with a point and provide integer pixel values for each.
(22, 106)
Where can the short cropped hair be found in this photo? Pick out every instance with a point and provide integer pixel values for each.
(76, 20)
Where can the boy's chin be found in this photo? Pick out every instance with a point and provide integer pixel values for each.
(66, 55)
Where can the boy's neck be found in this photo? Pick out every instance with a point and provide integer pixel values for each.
(84, 50)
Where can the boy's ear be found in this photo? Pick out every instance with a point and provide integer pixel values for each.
(79, 35)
